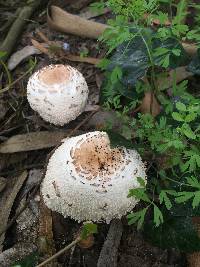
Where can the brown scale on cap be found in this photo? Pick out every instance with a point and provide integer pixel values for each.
(54, 74)
(95, 157)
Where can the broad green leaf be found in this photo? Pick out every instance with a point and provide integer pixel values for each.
(133, 56)
(177, 116)
(188, 131)
(180, 106)
(190, 117)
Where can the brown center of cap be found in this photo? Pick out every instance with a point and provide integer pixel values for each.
(95, 157)
(54, 74)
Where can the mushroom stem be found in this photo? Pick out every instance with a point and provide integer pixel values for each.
(72, 244)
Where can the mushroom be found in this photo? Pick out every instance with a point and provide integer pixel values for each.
(88, 180)
(58, 93)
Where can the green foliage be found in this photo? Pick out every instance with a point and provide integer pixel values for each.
(88, 229)
(139, 53)
(175, 232)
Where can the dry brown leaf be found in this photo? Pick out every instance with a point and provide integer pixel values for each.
(191, 49)
(22, 54)
(87, 243)
(63, 21)
(88, 28)
(40, 47)
(33, 141)
(167, 81)
(150, 104)
(90, 60)
(7, 199)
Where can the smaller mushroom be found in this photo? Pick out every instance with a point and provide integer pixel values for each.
(88, 180)
(58, 93)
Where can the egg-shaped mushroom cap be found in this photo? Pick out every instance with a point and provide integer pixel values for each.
(58, 93)
(87, 180)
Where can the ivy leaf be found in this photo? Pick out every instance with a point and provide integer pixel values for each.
(133, 57)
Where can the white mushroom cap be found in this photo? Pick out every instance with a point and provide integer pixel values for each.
(58, 93)
(87, 180)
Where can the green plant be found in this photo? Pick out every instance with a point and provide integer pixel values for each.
(144, 42)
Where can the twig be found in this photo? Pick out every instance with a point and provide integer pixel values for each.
(17, 80)
(72, 244)
(16, 28)
(108, 255)
(21, 210)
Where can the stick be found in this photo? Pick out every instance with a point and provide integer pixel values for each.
(13, 35)
(72, 244)
(108, 254)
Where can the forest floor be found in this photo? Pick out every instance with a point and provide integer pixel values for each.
(26, 142)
